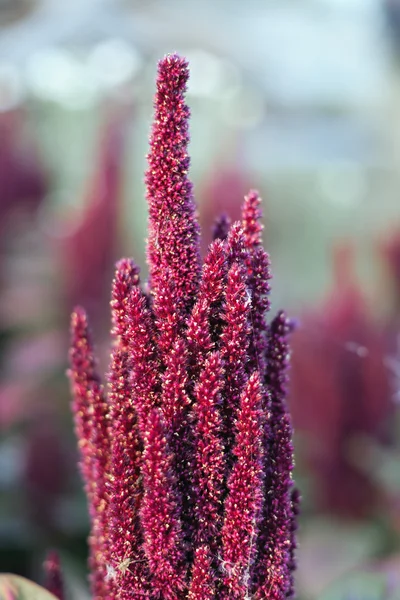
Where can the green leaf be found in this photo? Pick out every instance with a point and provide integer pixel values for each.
(13, 587)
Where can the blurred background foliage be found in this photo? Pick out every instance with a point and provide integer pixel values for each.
(299, 98)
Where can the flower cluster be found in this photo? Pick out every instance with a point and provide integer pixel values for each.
(187, 460)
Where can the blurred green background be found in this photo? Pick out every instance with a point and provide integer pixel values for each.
(298, 98)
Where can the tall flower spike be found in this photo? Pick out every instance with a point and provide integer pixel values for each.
(236, 245)
(209, 462)
(188, 463)
(91, 425)
(145, 364)
(207, 304)
(295, 506)
(234, 345)
(277, 540)
(100, 457)
(126, 560)
(82, 374)
(174, 232)
(126, 557)
(258, 267)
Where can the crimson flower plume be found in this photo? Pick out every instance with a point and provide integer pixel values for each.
(187, 460)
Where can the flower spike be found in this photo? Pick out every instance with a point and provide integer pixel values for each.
(162, 529)
(202, 584)
(251, 220)
(91, 425)
(244, 500)
(277, 541)
(209, 465)
(174, 232)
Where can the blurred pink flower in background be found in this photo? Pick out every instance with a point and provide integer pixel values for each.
(42, 277)
(390, 253)
(28, 362)
(47, 470)
(222, 193)
(90, 248)
(23, 179)
(340, 394)
(24, 184)
(81, 258)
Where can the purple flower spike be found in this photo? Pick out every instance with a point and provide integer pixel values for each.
(277, 543)
(295, 506)
(188, 462)
(82, 375)
(236, 245)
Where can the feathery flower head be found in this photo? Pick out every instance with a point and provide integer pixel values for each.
(187, 460)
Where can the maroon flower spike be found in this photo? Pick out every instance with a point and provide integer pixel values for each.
(252, 219)
(258, 266)
(161, 525)
(188, 462)
(208, 303)
(209, 462)
(91, 425)
(244, 500)
(277, 534)
(126, 564)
